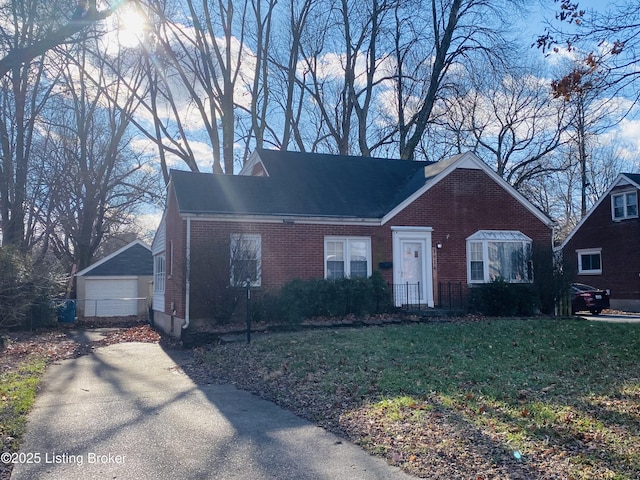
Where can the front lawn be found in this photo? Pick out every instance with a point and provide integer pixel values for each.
(539, 398)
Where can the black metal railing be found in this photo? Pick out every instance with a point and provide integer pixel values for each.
(449, 296)
(452, 296)
(408, 295)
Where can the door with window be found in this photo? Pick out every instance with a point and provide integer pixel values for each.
(412, 273)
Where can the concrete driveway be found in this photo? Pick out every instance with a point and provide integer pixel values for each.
(128, 412)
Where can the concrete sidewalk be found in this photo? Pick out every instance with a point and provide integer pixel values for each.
(128, 412)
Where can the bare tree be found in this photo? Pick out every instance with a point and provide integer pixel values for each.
(429, 42)
(95, 179)
(284, 61)
(23, 94)
(35, 41)
(260, 85)
(513, 122)
(195, 69)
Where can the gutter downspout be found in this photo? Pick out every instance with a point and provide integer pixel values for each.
(188, 275)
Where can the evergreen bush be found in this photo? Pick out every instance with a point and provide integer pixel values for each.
(502, 299)
(303, 299)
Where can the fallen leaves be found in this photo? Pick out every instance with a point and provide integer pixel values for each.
(17, 348)
(56, 345)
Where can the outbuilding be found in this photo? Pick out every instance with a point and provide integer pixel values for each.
(117, 285)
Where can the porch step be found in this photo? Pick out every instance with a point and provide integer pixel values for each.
(430, 313)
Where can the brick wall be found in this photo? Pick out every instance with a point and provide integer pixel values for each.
(620, 255)
(461, 204)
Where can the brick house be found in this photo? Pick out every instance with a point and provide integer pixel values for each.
(602, 250)
(294, 215)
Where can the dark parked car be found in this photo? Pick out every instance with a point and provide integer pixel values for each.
(586, 297)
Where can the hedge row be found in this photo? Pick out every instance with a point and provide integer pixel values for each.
(302, 299)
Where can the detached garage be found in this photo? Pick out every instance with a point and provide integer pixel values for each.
(117, 285)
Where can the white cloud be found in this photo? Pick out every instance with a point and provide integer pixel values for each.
(629, 140)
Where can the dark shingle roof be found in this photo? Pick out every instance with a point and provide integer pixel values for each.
(307, 184)
(634, 177)
(135, 260)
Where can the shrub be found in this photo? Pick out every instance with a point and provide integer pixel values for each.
(25, 292)
(501, 298)
(301, 299)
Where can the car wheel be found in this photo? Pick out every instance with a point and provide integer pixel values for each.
(595, 312)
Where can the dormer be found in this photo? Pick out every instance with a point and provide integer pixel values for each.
(254, 167)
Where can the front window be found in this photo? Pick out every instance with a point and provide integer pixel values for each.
(590, 262)
(246, 260)
(347, 257)
(499, 254)
(158, 273)
(624, 205)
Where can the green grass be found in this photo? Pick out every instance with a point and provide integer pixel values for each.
(562, 389)
(17, 394)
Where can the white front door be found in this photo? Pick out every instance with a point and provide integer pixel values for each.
(412, 258)
(413, 283)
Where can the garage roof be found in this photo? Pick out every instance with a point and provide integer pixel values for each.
(134, 259)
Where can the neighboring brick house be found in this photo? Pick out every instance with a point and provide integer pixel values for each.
(294, 215)
(603, 249)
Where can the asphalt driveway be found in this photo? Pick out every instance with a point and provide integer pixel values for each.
(127, 411)
(614, 317)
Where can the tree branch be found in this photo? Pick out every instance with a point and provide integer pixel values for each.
(20, 56)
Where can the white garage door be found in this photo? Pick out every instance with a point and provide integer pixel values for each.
(111, 297)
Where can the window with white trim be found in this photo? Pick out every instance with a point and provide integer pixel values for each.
(246, 260)
(624, 205)
(347, 257)
(158, 273)
(499, 254)
(590, 261)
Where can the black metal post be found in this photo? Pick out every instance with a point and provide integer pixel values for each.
(248, 311)
(407, 287)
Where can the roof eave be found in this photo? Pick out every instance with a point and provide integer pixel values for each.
(606, 194)
(280, 218)
(84, 271)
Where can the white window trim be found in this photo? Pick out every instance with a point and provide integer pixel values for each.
(491, 236)
(347, 263)
(235, 237)
(159, 274)
(589, 251)
(623, 194)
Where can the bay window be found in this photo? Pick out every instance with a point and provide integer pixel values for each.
(499, 254)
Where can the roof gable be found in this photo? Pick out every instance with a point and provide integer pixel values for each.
(435, 172)
(132, 259)
(622, 179)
